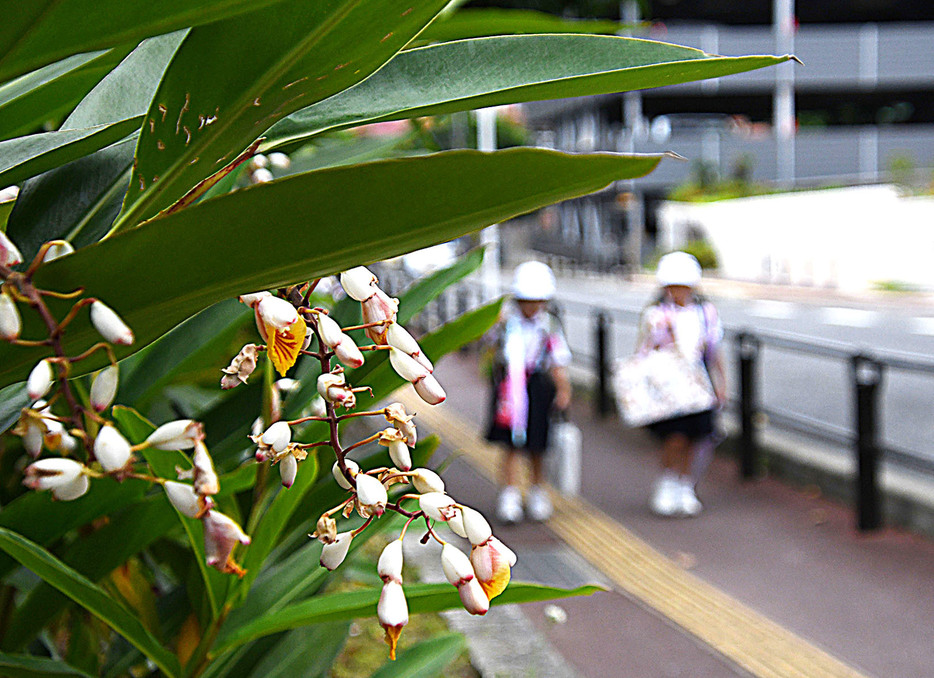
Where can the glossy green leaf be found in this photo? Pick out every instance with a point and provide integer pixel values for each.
(28, 666)
(25, 157)
(5, 208)
(94, 556)
(207, 333)
(36, 516)
(79, 199)
(420, 597)
(409, 204)
(42, 31)
(477, 23)
(427, 659)
(290, 656)
(88, 595)
(205, 113)
(468, 74)
(49, 94)
(12, 400)
(426, 289)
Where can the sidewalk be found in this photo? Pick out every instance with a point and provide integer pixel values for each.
(769, 581)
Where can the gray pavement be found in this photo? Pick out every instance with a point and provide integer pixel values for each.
(786, 553)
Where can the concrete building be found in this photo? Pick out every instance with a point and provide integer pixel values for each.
(860, 108)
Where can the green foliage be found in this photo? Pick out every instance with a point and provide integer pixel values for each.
(131, 135)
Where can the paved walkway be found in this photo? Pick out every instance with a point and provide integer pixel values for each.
(769, 581)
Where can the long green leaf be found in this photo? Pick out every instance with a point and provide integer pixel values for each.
(290, 656)
(205, 113)
(427, 659)
(468, 74)
(408, 204)
(38, 517)
(25, 157)
(420, 597)
(89, 596)
(28, 666)
(487, 21)
(94, 557)
(49, 94)
(42, 31)
(79, 199)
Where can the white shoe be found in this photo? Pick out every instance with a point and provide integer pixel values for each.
(666, 498)
(538, 505)
(689, 504)
(509, 505)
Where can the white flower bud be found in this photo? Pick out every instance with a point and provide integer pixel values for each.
(389, 566)
(359, 283)
(68, 443)
(72, 490)
(261, 176)
(104, 388)
(181, 434)
(52, 473)
(9, 253)
(437, 506)
(59, 249)
(183, 497)
(288, 470)
(332, 555)
(259, 161)
(279, 161)
(398, 337)
(507, 552)
(109, 325)
(457, 525)
(456, 565)
(276, 312)
(253, 298)
(111, 449)
(352, 466)
(430, 390)
(348, 353)
(476, 526)
(277, 436)
(331, 333)
(473, 597)
(10, 322)
(371, 493)
(399, 453)
(393, 613)
(40, 380)
(406, 366)
(287, 385)
(425, 481)
(33, 438)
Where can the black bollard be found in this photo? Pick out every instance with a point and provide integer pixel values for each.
(867, 377)
(602, 365)
(747, 346)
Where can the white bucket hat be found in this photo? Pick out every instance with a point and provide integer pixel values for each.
(533, 281)
(678, 268)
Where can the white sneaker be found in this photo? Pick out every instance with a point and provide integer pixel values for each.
(538, 504)
(689, 504)
(509, 505)
(666, 498)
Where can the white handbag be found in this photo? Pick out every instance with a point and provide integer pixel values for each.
(661, 384)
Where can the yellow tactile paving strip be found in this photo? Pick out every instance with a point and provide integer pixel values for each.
(740, 634)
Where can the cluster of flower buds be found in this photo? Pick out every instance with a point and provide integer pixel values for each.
(261, 166)
(107, 453)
